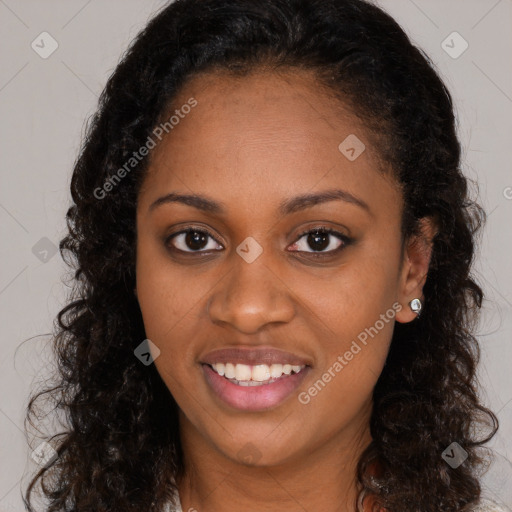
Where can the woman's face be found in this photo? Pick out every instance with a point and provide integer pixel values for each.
(263, 153)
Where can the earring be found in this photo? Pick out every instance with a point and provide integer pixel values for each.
(416, 306)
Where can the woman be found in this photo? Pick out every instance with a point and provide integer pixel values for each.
(273, 242)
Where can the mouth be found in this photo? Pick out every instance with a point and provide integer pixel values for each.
(253, 387)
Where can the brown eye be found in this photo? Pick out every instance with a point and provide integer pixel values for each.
(193, 241)
(320, 239)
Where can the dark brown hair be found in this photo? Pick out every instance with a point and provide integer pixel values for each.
(121, 450)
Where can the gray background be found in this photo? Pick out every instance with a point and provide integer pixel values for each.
(43, 107)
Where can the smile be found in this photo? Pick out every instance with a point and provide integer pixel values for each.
(253, 387)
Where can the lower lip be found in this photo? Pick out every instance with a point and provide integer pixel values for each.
(253, 398)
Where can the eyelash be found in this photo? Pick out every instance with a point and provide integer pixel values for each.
(316, 254)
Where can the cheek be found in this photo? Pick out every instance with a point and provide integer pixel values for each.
(166, 301)
(353, 317)
(352, 297)
(166, 294)
(351, 355)
(173, 301)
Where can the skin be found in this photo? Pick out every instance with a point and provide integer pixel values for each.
(251, 143)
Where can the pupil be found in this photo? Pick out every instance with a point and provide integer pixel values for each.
(195, 237)
(318, 237)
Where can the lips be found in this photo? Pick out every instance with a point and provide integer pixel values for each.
(262, 391)
(253, 398)
(253, 356)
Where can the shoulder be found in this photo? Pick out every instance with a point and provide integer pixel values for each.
(487, 505)
(484, 505)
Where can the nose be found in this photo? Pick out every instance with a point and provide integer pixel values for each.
(251, 296)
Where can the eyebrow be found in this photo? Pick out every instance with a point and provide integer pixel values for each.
(288, 206)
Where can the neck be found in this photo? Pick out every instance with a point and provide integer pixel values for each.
(322, 478)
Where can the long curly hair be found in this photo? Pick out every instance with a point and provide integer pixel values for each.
(120, 449)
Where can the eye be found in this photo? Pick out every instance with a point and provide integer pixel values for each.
(195, 240)
(192, 240)
(320, 239)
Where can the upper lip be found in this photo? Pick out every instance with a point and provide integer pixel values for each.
(253, 356)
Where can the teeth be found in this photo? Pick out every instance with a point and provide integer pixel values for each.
(242, 372)
(276, 370)
(247, 375)
(260, 372)
(229, 371)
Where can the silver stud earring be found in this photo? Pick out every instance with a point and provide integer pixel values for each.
(416, 306)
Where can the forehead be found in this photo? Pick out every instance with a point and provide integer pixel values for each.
(263, 131)
(284, 107)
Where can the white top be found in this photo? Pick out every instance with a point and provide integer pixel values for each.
(177, 508)
(485, 505)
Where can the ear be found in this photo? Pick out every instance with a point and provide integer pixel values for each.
(415, 263)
